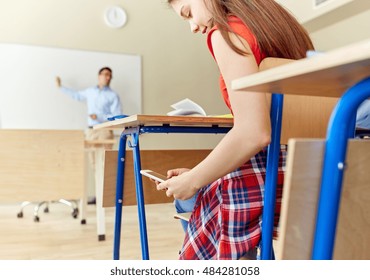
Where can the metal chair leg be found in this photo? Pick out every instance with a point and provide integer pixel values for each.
(23, 205)
(72, 204)
(36, 217)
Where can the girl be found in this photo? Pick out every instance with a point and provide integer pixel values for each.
(229, 183)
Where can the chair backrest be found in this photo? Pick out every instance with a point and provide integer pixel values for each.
(300, 199)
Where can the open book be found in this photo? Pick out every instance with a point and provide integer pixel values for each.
(186, 107)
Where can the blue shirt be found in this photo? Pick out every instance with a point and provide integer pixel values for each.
(103, 102)
(363, 115)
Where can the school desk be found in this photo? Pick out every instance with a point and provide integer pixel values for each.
(134, 126)
(343, 73)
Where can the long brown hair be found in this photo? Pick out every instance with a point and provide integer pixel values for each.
(278, 33)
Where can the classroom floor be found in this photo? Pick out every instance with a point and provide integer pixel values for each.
(58, 236)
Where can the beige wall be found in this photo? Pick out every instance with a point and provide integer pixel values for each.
(335, 24)
(307, 10)
(344, 32)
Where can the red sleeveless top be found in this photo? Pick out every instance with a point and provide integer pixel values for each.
(243, 31)
(226, 222)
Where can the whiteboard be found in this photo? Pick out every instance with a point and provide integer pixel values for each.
(30, 99)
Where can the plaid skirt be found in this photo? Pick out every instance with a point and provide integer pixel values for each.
(227, 216)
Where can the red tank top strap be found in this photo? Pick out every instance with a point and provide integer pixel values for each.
(238, 27)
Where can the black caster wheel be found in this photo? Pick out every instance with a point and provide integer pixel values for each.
(20, 215)
(36, 219)
(75, 213)
(46, 210)
(101, 237)
(83, 222)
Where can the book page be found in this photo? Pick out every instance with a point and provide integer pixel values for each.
(186, 107)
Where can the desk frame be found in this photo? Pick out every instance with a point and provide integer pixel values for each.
(270, 181)
(136, 125)
(135, 132)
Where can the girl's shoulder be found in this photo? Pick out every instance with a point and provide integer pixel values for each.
(238, 27)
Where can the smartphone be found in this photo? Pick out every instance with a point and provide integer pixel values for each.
(154, 175)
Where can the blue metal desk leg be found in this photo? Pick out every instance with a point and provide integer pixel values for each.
(272, 165)
(341, 122)
(119, 195)
(140, 195)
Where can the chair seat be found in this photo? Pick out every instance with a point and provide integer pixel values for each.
(183, 216)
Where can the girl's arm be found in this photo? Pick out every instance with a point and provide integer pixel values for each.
(251, 131)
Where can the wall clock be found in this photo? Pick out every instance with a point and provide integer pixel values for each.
(115, 17)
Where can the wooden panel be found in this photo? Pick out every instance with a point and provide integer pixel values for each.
(300, 196)
(306, 116)
(159, 161)
(303, 116)
(329, 74)
(159, 120)
(39, 165)
(354, 215)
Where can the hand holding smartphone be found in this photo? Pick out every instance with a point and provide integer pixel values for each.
(154, 175)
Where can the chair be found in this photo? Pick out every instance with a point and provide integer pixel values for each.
(71, 203)
(41, 166)
(182, 216)
(301, 195)
(362, 133)
(310, 115)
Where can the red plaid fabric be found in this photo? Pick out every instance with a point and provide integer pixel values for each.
(227, 217)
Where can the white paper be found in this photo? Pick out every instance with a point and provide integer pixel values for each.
(186, 107)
